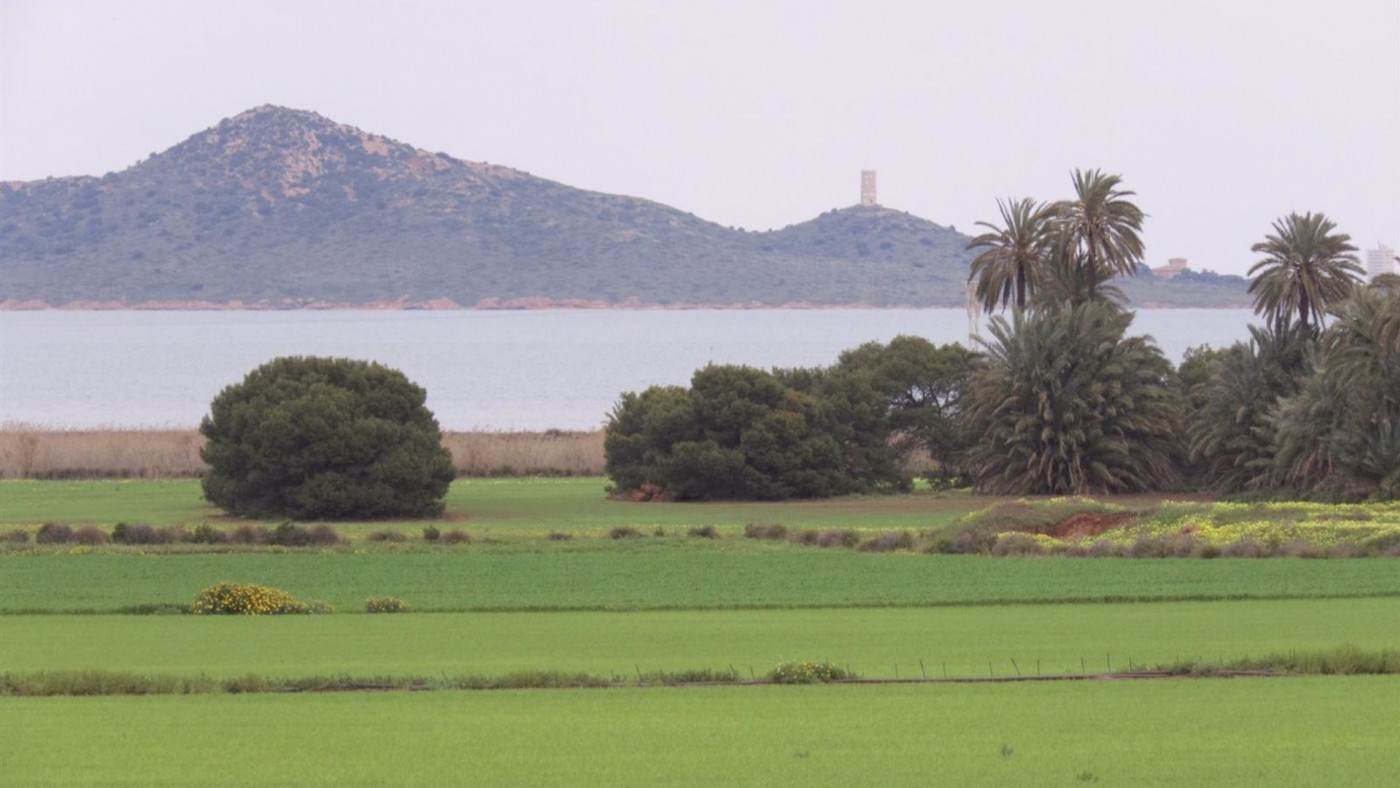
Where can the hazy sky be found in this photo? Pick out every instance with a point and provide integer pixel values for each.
(1221, 115)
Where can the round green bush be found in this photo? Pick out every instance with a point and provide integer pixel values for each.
(313, 438)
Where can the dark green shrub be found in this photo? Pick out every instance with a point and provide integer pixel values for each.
(431, 534)
(293, 535)
(559, 536)
(320, 438)
(133, 533)
(204, 533)
(387, 535)
(54, 533)
(704, 532)
(624, 532)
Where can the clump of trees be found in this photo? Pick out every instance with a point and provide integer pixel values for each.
(1061, 399)
(744, 433)
(324, 438)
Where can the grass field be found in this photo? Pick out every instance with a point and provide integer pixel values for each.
(612, 607)
(660, 574)
(873, 643)
(1277, 732)
(506, 506)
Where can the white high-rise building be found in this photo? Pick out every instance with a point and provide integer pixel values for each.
(1380, 261)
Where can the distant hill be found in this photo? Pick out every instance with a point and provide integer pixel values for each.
(284, 208)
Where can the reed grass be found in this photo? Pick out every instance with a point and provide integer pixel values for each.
(32, 453)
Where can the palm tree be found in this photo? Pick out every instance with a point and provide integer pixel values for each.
(1014, 253)
(1099, 229)
(1066, 405)
(1307, 267)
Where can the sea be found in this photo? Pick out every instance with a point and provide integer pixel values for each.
(483, 370)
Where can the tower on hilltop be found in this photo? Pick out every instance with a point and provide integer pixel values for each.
(867, 187)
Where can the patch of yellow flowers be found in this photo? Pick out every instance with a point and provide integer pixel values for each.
(804, 672)
(246, 599)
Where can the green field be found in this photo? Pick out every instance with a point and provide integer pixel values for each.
(1277, 732)
(664, 574)
(513, 600)
(874, 643)
(506, 506)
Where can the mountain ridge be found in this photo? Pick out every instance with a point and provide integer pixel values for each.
(284, 208)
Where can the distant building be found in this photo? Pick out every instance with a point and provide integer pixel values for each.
(1380, 261)
(867, 187)
(1174, 266)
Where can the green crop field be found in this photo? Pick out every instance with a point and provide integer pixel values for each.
(1277, 732)
(575, 505)
(964, 641)
(660, 574)
(514, 600)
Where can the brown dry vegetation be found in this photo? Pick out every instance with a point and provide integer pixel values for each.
(114, 453)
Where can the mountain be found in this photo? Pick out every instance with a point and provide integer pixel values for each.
(284, 208)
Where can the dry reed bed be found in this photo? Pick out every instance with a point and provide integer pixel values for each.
(149, 454)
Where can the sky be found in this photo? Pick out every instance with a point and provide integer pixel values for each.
(1221, 116)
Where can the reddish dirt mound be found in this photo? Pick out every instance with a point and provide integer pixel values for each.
(1087, 524)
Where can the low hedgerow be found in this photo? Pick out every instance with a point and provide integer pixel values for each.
(292, 535)
(16, 536)
(91, 535)
(704, 532)
(559, 536)
(246, 599)
(624, 532)
(249, 533)
(888, 542)
(766, 531)
(387, 535)
(54, 533)
(456, 536)
(385, 604)
(804, 672)
(204, 533)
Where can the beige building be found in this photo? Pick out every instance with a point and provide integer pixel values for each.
(1174, 266)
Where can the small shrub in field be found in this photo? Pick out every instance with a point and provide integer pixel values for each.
(624, 532)
(431, 533)
(456, 536)
(54, 533)
(838, 537)
(16, 536)
(888, 542)
(385, 604)
(804, 672)
(249, 534)
(704, 532)
(1015, 543)
(1300, 548)
(91, 535)
(765, 531)
(245, 599)
(293, 535)
(1245, 547)
(659, 532)
(204, 533)
(387, 536)
(133, 533)
(559, 536)
(175, 534)
(1103, 548)
(807, 536)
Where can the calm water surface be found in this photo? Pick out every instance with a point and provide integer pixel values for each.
(482, 370)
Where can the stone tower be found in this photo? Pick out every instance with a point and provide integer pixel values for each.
(867, 187)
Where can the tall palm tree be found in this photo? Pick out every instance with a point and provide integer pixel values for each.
(1014, 253)
(1306, 268)
(1099, 229)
